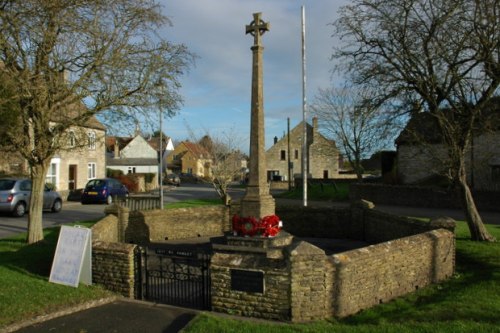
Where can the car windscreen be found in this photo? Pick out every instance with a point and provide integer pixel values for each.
(95, 183)
(6, 184)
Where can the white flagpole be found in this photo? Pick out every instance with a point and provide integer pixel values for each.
(304, 110)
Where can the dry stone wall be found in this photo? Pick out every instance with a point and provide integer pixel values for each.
(113, 267)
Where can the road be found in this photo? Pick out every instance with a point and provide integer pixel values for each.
(75, 211)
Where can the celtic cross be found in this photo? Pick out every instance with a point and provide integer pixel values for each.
(257, 28)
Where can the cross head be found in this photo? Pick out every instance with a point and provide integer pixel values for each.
(257, 28)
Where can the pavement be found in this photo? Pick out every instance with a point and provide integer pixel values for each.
(130, 316)
(120, 315)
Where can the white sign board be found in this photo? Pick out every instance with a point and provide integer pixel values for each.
(72, 261)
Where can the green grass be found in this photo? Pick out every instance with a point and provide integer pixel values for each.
(193, 203)
(24, 288)
(338, 192)
(468, 302)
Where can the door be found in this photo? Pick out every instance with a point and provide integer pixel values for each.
(72, 177)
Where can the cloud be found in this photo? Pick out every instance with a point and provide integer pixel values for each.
(221, 80)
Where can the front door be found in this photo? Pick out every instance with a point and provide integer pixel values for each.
(72, 177)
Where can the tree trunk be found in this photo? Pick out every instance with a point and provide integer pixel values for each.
(35, 228)
(477, 229)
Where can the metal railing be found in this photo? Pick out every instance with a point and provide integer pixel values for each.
(138, 203)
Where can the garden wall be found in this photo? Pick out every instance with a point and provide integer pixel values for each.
(299, 281)
(418, 196)
(113, 266)
(378, 273)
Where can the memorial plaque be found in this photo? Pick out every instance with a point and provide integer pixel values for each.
(249, 281)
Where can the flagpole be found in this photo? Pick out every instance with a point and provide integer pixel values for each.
(304, 110)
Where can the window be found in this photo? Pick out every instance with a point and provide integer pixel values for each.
(190, 171)
(283, 155)
(91, 138)
(296, 154)
(131, 169)
(51, 177)
(71, 139)
(91, 171)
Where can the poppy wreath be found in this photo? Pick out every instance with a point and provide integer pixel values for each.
(268, 226)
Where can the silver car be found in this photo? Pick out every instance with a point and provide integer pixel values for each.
(15, 196)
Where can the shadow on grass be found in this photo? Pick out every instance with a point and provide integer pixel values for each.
(33, 258)
(472, 294)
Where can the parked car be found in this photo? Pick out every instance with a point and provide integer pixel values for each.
(103, 191)
(172, 179)
(15, 194)
(189, 178)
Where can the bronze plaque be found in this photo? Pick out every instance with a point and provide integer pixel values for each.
(249, 281)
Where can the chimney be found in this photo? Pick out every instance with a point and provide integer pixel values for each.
(116, 153)
(315, 123)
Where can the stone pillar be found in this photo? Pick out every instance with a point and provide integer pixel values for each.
(257, 201)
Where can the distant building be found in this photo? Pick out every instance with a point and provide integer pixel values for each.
(323, 155)
(190, 158)
(422, 155)
(135, 154)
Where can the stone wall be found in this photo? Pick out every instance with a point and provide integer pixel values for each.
(106, 230)
(316, 222)
(113, 267)
(311, 283)
(378, 273)
(170, 224)
(419, 196)
(298, 281)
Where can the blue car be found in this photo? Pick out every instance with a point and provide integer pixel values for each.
(103, 191)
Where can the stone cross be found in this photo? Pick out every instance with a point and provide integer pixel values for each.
(257, 28)
(257, 201)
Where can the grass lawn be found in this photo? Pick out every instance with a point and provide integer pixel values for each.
(338, 192)
(193, 203)
(24, 273)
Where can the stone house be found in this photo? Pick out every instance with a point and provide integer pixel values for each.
(135, 154)
(81, 159)
(323, 155)
(72, 168)
(422, 156)
(190, 158)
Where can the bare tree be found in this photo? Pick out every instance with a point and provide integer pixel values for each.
(228, 163)
(442, 55)
(70, 60)
(357, 126)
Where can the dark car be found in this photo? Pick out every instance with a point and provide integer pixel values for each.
(189, 178)
(15, 194)
(103, 191)
(172, 179)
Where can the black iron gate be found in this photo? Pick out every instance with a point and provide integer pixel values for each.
(175, 276)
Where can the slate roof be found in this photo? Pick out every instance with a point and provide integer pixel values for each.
(131, 161)
(423, 126)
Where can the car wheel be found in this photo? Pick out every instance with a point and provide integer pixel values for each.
(109, 200)
(57, 206)
(19, 210)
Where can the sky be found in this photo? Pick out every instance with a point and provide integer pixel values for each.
(217, 89)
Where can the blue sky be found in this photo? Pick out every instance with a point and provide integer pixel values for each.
(216, 91)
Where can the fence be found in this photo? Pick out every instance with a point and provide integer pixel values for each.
(136, 203)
